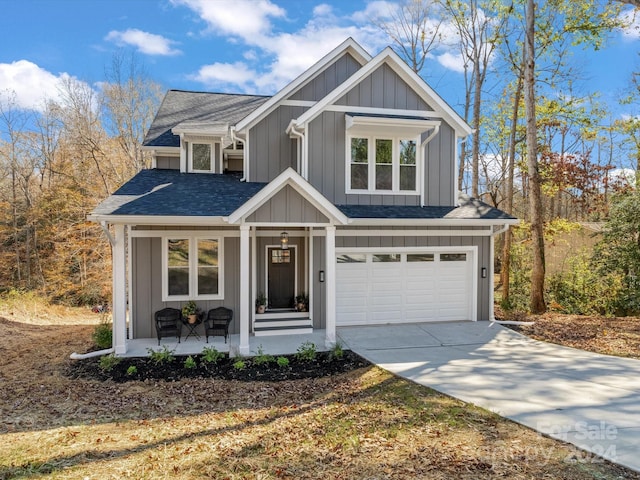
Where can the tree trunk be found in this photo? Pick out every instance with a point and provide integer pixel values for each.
(535, 192)
(506, 247)
(475, 148)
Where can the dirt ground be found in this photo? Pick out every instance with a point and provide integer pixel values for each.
(357, 425)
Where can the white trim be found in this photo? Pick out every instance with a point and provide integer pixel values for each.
(161, 150)
(254, 276)
(385, 111)
(183, 154)
(129, 255)
(310, 274)
(267, 262)
(298, 103)
(413, 233)
(430, 222)
(173, 233)
(490, 273)
(119, 292)
(330, 286)
(159, 220)
(292, 178)
(348, 46)
(244, 347)
(366, 124)
(400, 67)
(193, 267)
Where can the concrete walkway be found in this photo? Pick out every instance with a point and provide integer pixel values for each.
(589, 400)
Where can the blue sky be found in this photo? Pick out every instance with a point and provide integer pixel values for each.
(252, 46)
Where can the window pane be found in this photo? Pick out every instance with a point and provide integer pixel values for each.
(208, 253)
(420, 257)
(359, 150)
(280, 256)
(178, 253)
(207, 280)
(407, 177)
(384, 150)
(391, 257)
(453, 257)
(201, 156)
(352, 258)
(360, 177)
(407, 152)
(384, 175)
(178, 279)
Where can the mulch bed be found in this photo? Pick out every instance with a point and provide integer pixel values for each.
(324, 364)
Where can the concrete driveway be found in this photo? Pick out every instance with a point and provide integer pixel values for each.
(589, 400)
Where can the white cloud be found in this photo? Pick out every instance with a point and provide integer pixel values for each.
(322, 9)
(32, 85)
(145, 42)
(377, 10)
(246, 19)
(220, 74)
(452, 61)
(631, 20)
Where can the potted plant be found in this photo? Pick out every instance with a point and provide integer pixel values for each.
(302, 302)
(190, 311)
(261, 303)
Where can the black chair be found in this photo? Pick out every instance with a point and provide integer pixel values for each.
(217, 323)
(168, 323)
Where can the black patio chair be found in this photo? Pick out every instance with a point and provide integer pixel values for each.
(217, 323)
(168, 323)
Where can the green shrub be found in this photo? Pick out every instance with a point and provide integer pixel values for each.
(103, 335)
(240, 365)
(189, 363)
(107, 362)
(337, 352)
(262, 358)
(306, 352)
(283, 362)
(211, 355)
(132, 370)
(163, 355)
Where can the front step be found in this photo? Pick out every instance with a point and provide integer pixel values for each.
(282, 324)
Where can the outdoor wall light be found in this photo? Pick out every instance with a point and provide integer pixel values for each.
(321, 276)
(284, 241)
(483, 272)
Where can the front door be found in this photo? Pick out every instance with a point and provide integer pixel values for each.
(281, 277)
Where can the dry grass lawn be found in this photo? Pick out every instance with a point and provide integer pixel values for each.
(366, 424)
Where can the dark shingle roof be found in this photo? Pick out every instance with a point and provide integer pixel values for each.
(180, 106)
(468, 209)
(171, 193)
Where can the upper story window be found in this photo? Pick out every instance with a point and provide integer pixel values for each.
(201, 157)
(382, 164)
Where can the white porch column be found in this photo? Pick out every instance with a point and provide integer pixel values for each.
(245, 276)
(330, 285)
(119, 300)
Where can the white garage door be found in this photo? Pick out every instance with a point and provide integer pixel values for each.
(404, 287)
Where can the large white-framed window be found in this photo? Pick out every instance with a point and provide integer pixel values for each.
(201, 157)
(192, 268)
(382, 164)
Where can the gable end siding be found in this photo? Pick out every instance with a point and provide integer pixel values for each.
(271, 151)
(287, 206)
(383, 88)
(328, 79)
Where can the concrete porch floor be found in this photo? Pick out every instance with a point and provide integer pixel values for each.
(272, 345)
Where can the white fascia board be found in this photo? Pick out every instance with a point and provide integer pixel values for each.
(162, 150)
(430, 222)
(157, 220)
(406, 126)
(214, 131)
(348, 46)
(294, 179)
(398, 65)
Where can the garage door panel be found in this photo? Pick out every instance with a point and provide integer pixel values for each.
(424, 288)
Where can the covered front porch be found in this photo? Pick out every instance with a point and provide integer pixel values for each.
(286, 344)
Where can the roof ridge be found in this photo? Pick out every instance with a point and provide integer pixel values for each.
(218, 93)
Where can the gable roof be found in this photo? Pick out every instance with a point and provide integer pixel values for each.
(197, 108)
(348, 46)
(169, 193)
(291, 178)
(392, 59)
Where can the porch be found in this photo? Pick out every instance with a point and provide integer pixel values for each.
(285, 344)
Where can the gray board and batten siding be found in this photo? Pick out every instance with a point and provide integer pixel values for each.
(327, 80)
(287, 206)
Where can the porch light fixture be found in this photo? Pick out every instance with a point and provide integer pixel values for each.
(284, 241)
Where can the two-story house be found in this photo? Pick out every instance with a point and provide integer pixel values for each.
(341, 187)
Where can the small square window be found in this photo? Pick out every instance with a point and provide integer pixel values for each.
(453, 257)
(420, 257)
(201, 157)
(353, 258)
(280, 256)
(386, 257)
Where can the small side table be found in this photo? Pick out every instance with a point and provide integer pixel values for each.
(193, 326)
